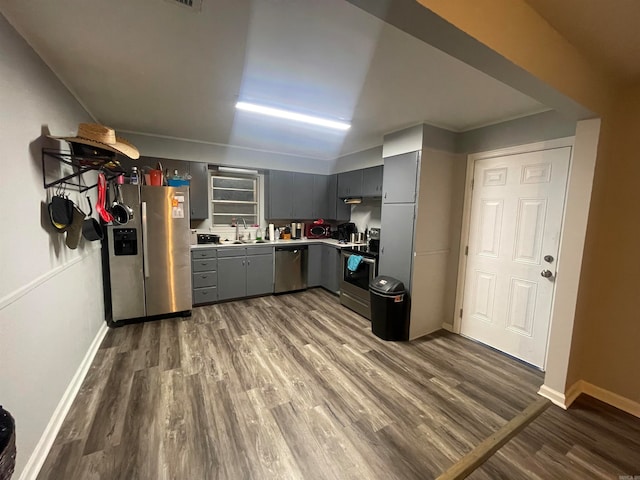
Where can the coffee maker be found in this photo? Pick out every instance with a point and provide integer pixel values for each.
(297, 230)
(344, 231)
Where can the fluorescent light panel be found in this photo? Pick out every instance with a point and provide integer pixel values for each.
(237, 170)
(286, 114)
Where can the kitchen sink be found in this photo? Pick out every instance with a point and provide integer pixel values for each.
(241, 242)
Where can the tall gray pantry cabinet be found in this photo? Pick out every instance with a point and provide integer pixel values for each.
(398, 216)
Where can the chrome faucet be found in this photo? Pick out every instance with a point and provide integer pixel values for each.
(238, 228)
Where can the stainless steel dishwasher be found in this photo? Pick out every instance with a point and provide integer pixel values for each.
(291, 268)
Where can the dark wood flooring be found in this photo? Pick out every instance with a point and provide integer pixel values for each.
(290, 386)
(590, 440)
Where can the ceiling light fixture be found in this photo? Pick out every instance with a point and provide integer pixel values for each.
(298, 117)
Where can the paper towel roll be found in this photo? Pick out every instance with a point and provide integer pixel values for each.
(271, 232)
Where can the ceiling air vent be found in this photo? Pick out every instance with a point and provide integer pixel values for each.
(193, 5)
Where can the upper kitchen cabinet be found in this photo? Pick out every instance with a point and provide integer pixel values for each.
(289, 195)
(400, 178)
(350, 184)
(199, 190)
(339, 210)
(278, 195)
(372, 181)
(323, 207)
(302, 198)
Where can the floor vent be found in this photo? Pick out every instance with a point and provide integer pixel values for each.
(193, 5)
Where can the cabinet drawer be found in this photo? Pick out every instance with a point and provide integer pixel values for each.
(205, 279)
(231, 252)
(203, 253)
(259, 250)
(204, 265)
(205, 295)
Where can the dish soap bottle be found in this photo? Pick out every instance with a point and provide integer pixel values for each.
(259, 234)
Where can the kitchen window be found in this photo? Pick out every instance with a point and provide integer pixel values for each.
(234, 196)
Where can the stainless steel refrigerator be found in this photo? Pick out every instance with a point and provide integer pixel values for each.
(148, 258)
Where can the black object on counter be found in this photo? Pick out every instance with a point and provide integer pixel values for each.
(203, 238)
(388, 298)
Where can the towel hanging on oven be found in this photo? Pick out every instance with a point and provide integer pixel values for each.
(354, 262)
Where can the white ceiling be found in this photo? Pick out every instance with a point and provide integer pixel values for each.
(154, 67)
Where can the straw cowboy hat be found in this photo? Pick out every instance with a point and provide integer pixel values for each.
(102, 137)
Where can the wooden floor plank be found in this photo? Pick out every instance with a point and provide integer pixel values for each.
(295, 386)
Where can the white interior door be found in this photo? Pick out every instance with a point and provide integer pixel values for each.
(516, 220)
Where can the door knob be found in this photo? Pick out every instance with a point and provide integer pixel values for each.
(546, 273)
(548, 258)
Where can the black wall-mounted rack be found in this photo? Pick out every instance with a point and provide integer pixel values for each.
(81, 165)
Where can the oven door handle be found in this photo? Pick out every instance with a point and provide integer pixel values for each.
(370, 261)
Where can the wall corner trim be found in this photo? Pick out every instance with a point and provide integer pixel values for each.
(39, 455)
(565, 400)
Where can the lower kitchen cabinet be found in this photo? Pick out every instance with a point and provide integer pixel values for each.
(246, 273)
(204, 276)
(314, 266)
(323, 269)
(233, 276)
(331, 270)
(259, 274)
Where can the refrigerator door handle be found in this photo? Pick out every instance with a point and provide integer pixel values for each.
(145, 245)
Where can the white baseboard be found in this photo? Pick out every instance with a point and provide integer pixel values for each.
(618, 401)
(556, 397)
(448, 327)
(564, 400)
(39, 455)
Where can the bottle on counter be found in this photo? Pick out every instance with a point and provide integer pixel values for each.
(259, 234)
(134, 178)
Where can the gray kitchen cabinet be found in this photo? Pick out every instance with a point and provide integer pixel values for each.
(400, 178)
(279, 196)
(396, 242)
(340, 211)
(331, 270)
(259, 274)
(244, 272)
(350, 184)
(232, 274)
(372, 181)
(322, 205)
(199, 190)
(314, 265)
(302, 196)
(204, 276)
(289, 195)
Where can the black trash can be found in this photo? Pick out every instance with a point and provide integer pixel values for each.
(7, 444)
(389, 319)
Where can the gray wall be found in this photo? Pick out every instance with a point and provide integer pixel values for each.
(51, 306)
(178, 149)
(531, 129)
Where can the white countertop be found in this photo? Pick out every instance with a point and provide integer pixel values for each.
(275, 243)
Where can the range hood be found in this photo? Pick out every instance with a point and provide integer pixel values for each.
(353, 201)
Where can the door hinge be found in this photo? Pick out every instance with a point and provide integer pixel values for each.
(460, 313)
(466, 250)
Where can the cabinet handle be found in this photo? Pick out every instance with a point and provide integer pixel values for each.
(248, 262)
(243, 263)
